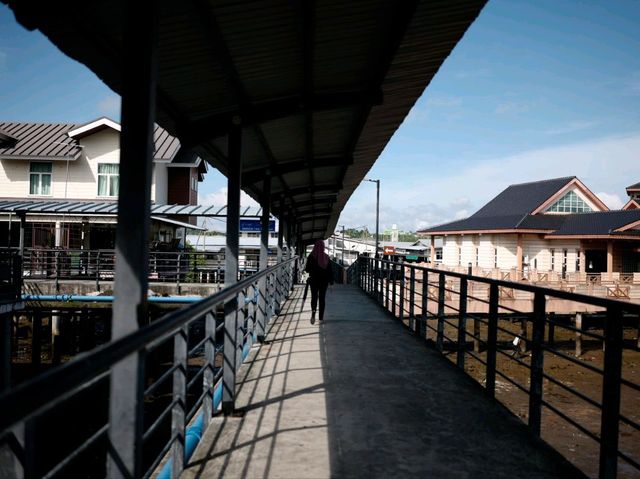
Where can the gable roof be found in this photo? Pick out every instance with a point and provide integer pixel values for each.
(512, 209)
(523, 198)
(631, 205)
(596, 223)
(634, 187)
(59, 141)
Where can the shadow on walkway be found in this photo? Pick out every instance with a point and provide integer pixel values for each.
(357, 396)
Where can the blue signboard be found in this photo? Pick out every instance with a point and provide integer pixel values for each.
(254, 225)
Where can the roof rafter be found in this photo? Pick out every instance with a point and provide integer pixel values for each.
(253, 176)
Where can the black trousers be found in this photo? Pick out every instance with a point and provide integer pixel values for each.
(318, 292)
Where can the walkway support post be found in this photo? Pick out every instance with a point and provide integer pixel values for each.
(610, 420)
(279, 274)
(413, 324)
(423, 330)
(132, 235)
(492, 338)
(441, 311)
(462, 323)
(263, 307)
(232, 338)
(537, 357)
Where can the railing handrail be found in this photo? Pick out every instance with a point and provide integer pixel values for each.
(556, 293)
(27, 399)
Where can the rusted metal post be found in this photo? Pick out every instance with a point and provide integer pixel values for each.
(578, 322)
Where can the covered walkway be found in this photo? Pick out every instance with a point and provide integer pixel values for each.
(358, 396)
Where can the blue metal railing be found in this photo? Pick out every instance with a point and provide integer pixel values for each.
(182, 358)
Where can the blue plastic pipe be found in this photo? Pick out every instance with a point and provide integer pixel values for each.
(194, 432)
(106, 299)
(193, 435)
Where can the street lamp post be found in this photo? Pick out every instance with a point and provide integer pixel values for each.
(377, 182)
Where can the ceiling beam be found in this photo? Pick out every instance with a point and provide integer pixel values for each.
(256, 175)
(329, 190)
(217, 125)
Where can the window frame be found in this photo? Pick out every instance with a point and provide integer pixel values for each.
(108, 175)
(40, 175)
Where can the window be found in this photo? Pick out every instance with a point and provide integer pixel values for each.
(553, 259)
(40, 178)
(570, 203)
(108, 179)
(495, 257)
(578, 260)
(194, 183)
(477, 256)
(459, 255)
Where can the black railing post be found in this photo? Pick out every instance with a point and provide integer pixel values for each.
(537, 363)
(425, 300)
(6, 326)
(413, 324)
(179, 409)
(401, 299)
(492, 339)
(178, 269)
(393, 289)
(209, 357)
(387, 277)
(441, 311)
(610, 420)
(462, 324)
(57, 266)
(98, 271)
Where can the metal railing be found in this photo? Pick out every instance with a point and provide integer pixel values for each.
(99, 265)
(179, 385)
(10, 278)
(513, 339)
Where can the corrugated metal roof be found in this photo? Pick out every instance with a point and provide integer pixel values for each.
(310, 80)
(51, 141)
(40, 140)
(111, 208)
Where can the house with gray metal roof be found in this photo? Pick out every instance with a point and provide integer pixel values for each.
(553, 227)
(65, 178)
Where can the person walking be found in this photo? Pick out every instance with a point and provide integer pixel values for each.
(320, 277)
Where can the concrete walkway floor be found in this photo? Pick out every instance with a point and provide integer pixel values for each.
(358, 396)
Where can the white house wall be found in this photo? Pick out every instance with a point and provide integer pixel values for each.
(536, 251)
(160, 182)
(100, 147)
(486, 252)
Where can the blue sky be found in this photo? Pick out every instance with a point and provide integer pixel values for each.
(534, 90)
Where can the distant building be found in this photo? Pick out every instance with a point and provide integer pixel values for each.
(63, 162)
(634, 197)
(554, 226)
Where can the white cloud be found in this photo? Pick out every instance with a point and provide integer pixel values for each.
(606, 165)
(443, 101)
(512, 107)
(572, 127)
(219, 198)
(613, 201)
(110, 106)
